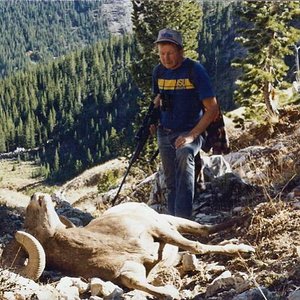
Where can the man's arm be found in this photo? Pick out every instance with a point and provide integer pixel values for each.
(211, 110)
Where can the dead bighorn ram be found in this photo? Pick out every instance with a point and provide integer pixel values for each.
(121, 246)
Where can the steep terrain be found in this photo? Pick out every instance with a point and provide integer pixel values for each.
(263, 186)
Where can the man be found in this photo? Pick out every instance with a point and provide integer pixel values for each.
(187, 107)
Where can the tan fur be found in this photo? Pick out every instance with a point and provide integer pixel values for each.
(122, 245)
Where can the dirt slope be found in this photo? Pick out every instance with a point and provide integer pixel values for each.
(274, 211)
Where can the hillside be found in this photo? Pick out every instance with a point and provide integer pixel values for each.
(40, 31)
(263, 186)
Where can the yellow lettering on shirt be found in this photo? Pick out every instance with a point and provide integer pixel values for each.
(175, 84)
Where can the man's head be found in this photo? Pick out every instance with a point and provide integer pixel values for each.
(170, 48)
(171, 36)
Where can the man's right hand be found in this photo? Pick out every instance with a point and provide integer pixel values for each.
(157, 101)
(152, 129)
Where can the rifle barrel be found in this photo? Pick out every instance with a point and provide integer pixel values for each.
(142, 137)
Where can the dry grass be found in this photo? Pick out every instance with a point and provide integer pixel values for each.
(17, 175)
(274, 223)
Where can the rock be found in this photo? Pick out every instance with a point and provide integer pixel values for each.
(294, 195)
(117, 294)
(215, 268)
(296, 191)
(189, 262)
(20, 288)
(206, 219)
(46, 293)
(135, 295)
(158, 194)
(226, 281)
(296, 205)
(215, 166)
(104, 288)
(75, 215)
(257, 294)
(95, 298)
(298, 251)
(67, 289)
(294, 295)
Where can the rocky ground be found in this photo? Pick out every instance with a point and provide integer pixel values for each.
(259, 179)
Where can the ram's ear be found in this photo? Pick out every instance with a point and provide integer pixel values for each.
(15, 254)
(66, 222)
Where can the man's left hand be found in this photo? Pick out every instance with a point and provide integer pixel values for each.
(183, 140)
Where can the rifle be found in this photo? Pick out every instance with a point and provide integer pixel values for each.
(141, 137)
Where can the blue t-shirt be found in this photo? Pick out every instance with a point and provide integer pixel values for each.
(184, 93)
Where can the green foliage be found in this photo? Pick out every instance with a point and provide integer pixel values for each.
(108, 180)
(268, 37)
(217, 46)
(37, 31)
(79, 111)
(79, 108)
(40, 172)
(182, 15)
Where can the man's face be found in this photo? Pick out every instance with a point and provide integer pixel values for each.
(170, 55)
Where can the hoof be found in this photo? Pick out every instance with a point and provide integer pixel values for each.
(170, 293)
(247, 249)
(232, 248)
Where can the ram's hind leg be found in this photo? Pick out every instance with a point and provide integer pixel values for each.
(170, 234)
(166, 233)
(133, 276)
(185, 226)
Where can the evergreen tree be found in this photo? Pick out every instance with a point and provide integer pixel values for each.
(217, 47)
(182, 15)
(74, 101)
(35, 32)
(56, 164)
(269, 37)
(2, 140)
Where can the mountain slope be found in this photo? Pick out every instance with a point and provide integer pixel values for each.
(39, 31)
(268, 161)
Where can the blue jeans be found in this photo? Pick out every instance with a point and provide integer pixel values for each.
(179, 170)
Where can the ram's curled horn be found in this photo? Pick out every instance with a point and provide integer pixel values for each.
(36, 260)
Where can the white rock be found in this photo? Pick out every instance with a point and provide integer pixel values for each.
(80, 284)
(105, 288)
(215, 268)
(67, 289)
(9, 296)
(226, 281)
(294, 295)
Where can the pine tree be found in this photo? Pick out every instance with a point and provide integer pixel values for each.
(268, 38)
(89, 157)
(182, 15)
(2, 141)
(56, 164)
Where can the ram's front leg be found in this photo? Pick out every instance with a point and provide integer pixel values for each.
(133, 275)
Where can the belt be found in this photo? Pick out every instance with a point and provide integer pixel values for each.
(165, 129)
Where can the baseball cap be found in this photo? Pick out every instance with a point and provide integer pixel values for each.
(169, 35)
